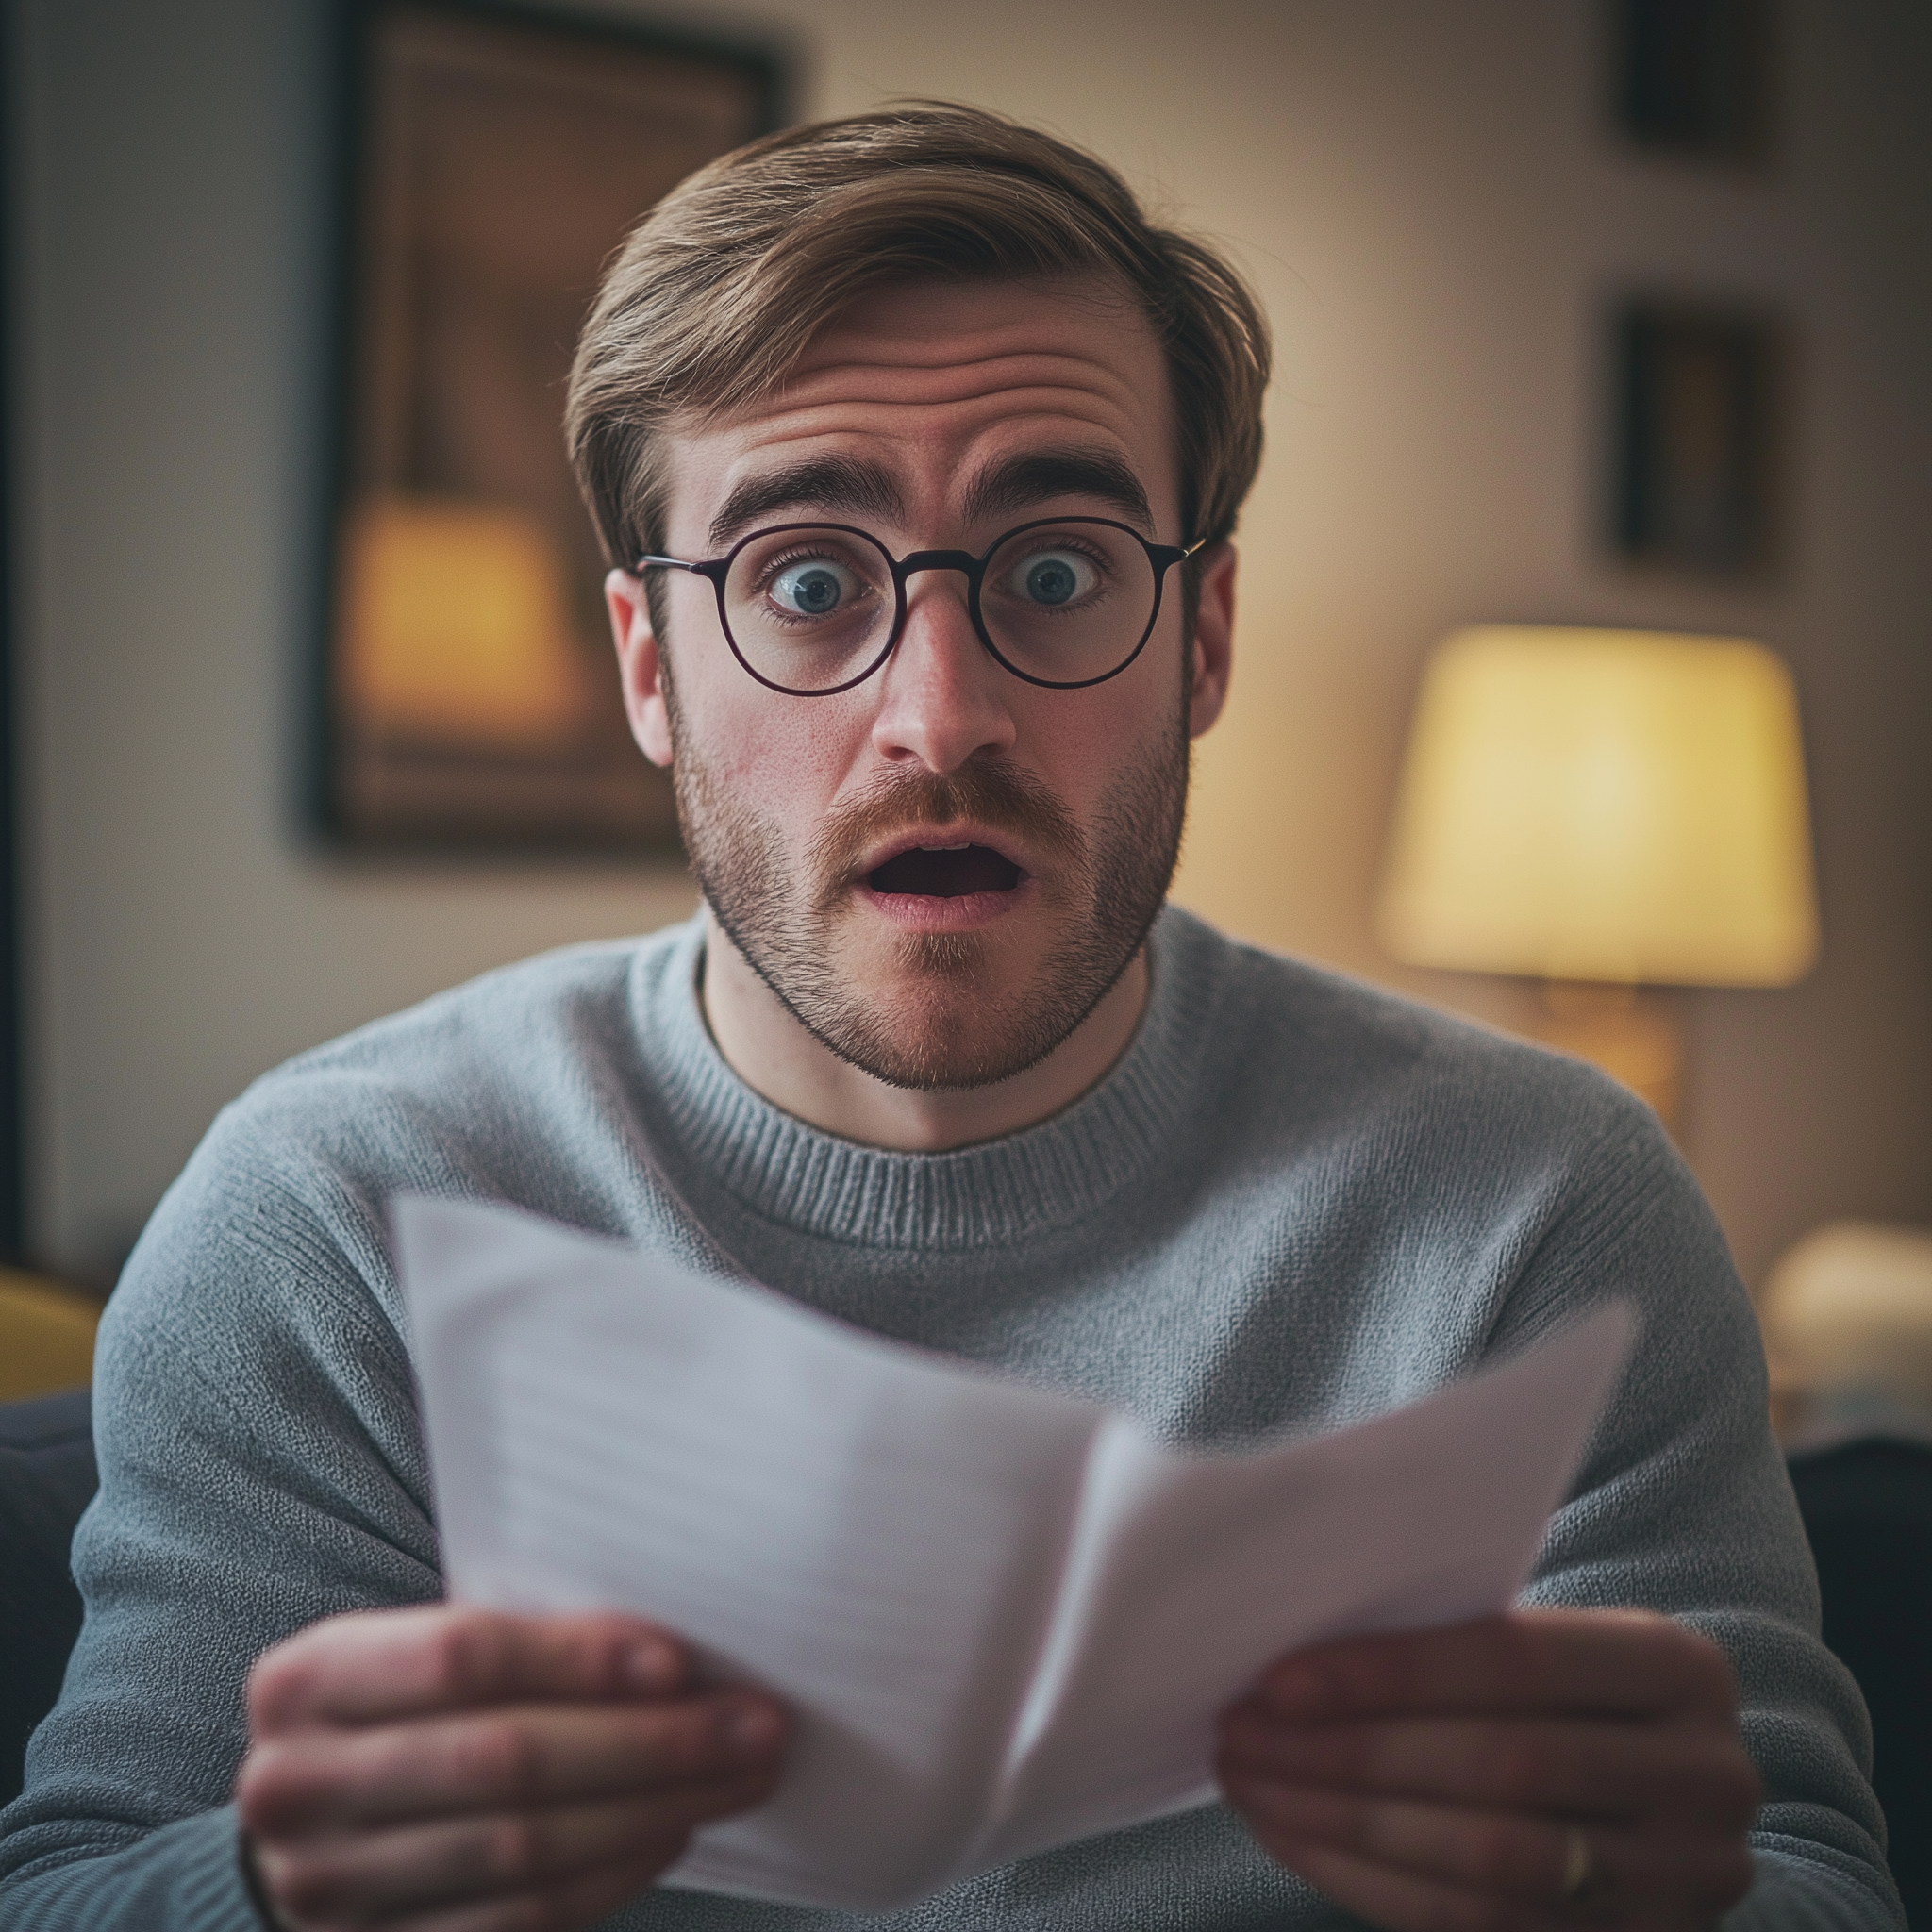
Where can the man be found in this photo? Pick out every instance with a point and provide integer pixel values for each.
(916, 451)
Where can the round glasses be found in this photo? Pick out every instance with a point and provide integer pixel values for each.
(814, 609)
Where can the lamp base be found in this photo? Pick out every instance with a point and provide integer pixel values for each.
(1633, 1038)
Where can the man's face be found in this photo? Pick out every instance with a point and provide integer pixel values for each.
(942, 871)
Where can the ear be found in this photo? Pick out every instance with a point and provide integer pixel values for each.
(1213, 639)
(640, 669)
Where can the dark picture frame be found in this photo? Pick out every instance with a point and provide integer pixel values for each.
(1698, 429)
(1694, 80)
(493, 158)
(13, 1125)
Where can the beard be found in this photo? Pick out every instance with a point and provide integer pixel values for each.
(951, 1015)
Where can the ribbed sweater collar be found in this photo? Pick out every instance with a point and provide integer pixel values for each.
(772, 1165)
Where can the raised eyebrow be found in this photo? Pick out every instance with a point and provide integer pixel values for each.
(1023, 482)
(842, 486)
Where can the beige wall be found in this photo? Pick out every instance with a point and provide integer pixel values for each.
(1423, 192)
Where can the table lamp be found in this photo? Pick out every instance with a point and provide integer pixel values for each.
(1604, 809)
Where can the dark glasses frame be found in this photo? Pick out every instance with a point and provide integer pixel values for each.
(1162, 557)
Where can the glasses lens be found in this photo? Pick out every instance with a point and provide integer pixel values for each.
(810, 608)
(1068, 602)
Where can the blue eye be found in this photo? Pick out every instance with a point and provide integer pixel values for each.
(812, 590)
(1054, 577)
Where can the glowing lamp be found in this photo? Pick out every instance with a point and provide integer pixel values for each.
(1602, 808)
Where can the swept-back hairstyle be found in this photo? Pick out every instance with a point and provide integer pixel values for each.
(722, 288)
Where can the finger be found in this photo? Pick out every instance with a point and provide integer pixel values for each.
(1621, 1663)
(1661, 1876)
(501, 1761)
(365, 1877)
(374, 1665)
(1563, 1767)
(1522, 1858)
(568, 1906)
(1402, 1902)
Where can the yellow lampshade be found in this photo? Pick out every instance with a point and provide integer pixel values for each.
(1624, 805)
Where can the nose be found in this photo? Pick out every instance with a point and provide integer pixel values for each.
(942, 700)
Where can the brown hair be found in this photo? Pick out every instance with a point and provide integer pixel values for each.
(723, 286)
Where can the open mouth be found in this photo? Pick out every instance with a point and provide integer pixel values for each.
(948, 872)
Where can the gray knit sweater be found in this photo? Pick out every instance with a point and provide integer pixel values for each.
(1292, 1202)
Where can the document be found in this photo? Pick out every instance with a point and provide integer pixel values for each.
(1003, 1618)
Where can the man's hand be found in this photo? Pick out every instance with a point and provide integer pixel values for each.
(1525, 1772)
(449, 1770)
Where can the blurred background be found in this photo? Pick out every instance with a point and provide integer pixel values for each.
(1448, 222)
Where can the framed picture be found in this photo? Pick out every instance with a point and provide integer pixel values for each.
(1694, 78)
(1698, 433)
(469, 689)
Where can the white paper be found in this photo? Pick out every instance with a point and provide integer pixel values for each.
(1001, 1616)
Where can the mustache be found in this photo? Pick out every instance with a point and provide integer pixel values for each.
(993, 794)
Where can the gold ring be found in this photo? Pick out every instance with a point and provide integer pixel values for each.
(1579, 1868)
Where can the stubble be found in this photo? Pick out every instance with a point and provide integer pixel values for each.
(952, 1016)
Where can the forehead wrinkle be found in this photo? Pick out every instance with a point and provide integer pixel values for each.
(873, 381)
(945, 325)
(920, 420)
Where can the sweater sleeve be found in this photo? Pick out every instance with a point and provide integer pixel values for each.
(1683, 1505)
(261, 1468)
